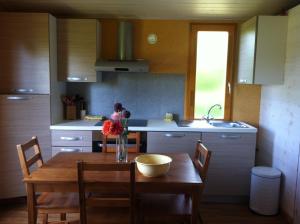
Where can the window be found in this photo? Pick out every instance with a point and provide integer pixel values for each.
(210, 75)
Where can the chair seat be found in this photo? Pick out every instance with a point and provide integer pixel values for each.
(166, 205)
(53, 202)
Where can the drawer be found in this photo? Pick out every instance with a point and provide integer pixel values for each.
(169, 142)
(72, 138)
(237, 139)
(56, 150)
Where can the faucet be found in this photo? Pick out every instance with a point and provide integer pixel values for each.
(208, 117)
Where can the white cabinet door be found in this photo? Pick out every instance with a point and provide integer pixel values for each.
(262, 48)
(233, 156)
(172, 142)
(21, 117)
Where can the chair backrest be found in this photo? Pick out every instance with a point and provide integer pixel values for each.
(201, 159)
(35, 159)
(132, 136)
(104, 191)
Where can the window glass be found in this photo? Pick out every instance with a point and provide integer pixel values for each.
(211, 66)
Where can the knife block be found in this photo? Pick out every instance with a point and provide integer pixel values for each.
(71, 112)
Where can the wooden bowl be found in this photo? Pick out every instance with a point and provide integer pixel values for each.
(153, 165)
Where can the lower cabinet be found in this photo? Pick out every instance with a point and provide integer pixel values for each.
(233, 156)
(172, 142)
(71, 141)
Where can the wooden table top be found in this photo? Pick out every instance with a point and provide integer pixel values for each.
(62, 168)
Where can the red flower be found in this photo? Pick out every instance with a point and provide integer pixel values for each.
(112, 128)
(116, 128)
(106, 127)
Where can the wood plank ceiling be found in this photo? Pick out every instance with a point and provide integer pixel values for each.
(153, 9)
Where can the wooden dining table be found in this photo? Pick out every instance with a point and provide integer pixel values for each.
(59, 174)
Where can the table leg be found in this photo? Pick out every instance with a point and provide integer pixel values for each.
(32, 216)
(195, 206)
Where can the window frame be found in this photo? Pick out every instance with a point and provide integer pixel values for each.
(191, 76)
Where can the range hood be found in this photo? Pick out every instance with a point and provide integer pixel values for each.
(125, 62)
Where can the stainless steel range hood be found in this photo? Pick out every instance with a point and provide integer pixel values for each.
(125, 62)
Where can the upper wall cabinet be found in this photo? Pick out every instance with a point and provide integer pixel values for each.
(24, 54)
(77, 49)
(262, 50)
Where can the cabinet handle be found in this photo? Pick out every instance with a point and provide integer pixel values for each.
(229, 88)
(243, 80)
(230, 136)
(69, 78)
(71, 138)
(173, 135)
(70, 150)
(22, 90)
(18, 98)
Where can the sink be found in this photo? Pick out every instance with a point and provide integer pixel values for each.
(188, 123)
(214, 123)
(227, 124)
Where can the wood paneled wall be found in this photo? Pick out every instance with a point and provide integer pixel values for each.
(246, 103)
(170, 55)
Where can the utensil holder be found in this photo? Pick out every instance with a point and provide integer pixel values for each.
(71, 112)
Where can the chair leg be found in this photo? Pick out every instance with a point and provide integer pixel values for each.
(63, 217)
(200, 219)
(45, 218)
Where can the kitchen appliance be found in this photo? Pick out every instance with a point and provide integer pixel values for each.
(125, 62)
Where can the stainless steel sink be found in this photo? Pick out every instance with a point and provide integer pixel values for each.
(188, 123)
(227, 124)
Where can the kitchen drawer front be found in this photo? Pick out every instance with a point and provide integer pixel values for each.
(236, 139)
(172, 142)
(72, 138)
(56, 150)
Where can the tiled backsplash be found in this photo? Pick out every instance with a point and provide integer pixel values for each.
(145, 95)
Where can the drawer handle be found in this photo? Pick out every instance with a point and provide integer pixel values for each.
(18, 98)
(72, 79)
(22, 90)
(230, 136)
(70, 150)
(171, 135)
(243, 81)
(71, 138)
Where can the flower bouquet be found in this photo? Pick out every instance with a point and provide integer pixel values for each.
(118, 127)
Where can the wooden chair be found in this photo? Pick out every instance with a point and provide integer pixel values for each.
(132, 136)
(46, 202)
(175, 207)
(106, 201)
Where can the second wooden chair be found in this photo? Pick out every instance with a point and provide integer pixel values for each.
(132, 136)
(175, 207)
(47, 202)
(106, 200)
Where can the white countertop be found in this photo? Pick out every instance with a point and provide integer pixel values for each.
(153, 125)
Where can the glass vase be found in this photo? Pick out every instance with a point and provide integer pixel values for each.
(121, 148)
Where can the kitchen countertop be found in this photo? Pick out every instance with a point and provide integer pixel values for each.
(153, 125)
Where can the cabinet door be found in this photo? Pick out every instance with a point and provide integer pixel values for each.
(232, 158)
(21, 117)
(270, 50)
(172, 142)
(24, 55)
(77, 46)
(247, 51)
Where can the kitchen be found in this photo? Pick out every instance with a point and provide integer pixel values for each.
(271, 108)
